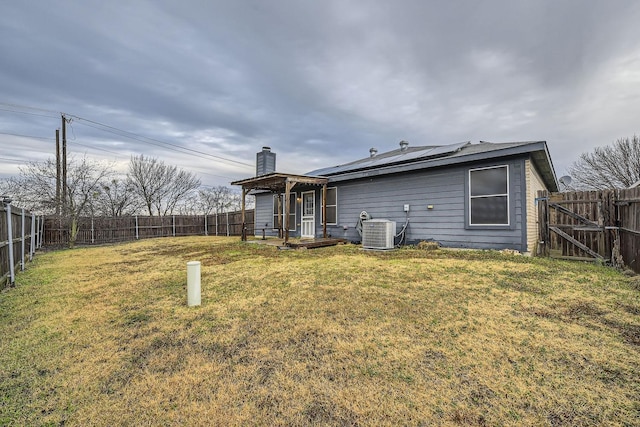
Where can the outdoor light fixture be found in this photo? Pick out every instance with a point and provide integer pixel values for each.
(6, 200)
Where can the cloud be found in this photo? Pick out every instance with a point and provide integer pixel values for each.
(319, 82)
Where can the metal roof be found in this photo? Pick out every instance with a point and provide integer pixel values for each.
(413, 158)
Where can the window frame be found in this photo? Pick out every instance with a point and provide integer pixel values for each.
(332, 206)
(507, 194)
(276, 215)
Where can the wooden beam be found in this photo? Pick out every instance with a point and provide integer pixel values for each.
(279, 196)
(277, 181)
(573, 214)
(287, 208)
(324, 210)
(575, 242)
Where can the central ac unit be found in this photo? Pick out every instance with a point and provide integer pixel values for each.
(378, 234)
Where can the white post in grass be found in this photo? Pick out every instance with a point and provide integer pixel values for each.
(193, 283)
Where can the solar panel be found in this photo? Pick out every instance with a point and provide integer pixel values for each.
(425, 153)
(447, 149)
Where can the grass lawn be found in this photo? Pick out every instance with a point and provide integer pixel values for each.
(331, 336)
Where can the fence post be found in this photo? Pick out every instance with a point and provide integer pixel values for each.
(41, 229)
(206, 232)
(32, 245)
(12, 273)
(216, 222)
(227, 224)
(93, 239)
(22, 241)
(137, 235)
(173, 220)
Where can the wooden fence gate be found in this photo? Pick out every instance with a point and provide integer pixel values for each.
(591, 225)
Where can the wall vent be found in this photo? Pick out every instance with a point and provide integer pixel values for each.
(378, 234)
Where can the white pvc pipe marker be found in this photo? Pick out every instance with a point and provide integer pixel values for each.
(193, 283)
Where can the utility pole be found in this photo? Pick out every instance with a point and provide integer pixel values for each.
(57, 172)
(64, 165)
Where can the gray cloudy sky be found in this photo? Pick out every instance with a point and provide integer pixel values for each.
(319, 81)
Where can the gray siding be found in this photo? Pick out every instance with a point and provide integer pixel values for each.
(264, 215)
(445, 189)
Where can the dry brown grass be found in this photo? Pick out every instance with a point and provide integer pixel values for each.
(333, 336)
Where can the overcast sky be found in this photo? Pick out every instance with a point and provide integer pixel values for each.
(318, 81)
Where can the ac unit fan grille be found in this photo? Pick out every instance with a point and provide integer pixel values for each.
(378, 234)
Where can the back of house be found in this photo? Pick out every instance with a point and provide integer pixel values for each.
(462, 195)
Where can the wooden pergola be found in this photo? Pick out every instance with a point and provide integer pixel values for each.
(280, 183)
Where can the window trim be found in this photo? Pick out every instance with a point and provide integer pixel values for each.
(328, 205)
(275, 215)
(507, 194)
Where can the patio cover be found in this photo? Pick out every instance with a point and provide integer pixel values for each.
(279, 183)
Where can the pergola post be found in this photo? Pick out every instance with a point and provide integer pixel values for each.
(277, 183)
(244, 225)
(324, 210)
(287, 208)
(280, 234)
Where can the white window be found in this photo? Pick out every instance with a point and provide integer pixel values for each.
(489, 196)
(332, 206)
(277, 220)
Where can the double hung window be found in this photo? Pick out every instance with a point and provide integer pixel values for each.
(489, 196)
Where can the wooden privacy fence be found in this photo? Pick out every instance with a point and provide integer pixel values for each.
(591, 225)
(100, 230)
(20, 235)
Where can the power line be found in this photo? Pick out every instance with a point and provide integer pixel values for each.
(25, 107)
(151, 141)
(96, 148)
(122, 156)
(120, 132)
(28, 136)
(26, 112)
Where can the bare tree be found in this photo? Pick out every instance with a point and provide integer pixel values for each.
(612, 166)
(222, 199)
(189, 205)
(117, 198)
(214, 199)
(35, 189)
(159, 186)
